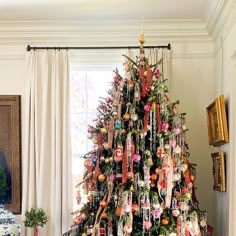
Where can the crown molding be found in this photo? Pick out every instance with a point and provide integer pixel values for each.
(98, 33)
(219, 17)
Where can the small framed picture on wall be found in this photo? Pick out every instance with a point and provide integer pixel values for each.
(218, 160)
(217, 122)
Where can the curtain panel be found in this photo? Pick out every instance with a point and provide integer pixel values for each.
(47, 151)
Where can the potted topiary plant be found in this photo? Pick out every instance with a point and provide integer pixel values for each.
(35, 218)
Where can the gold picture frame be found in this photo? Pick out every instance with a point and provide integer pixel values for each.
(218, 160)
(10, 152)
(217, 122)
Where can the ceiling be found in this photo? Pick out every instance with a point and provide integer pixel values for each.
(100, 10)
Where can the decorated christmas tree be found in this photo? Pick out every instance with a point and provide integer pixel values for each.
(139, 180)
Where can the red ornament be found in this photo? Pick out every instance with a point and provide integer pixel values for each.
(116, 79)
(135, 208)
(102, 230)
(157, 73)
(118, 155)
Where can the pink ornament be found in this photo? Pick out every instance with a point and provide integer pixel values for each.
(108, 99)
(177, 130)
(116, 79)
(147, 107)
(147, 224)
(172, 142)
(136, 157)
(157, 73)
(90, 129)
(157, 213)
(165, 126)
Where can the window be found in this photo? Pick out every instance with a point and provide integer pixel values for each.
(88, 85)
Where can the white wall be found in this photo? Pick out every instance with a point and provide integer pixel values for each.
(225, 83)
(191, 76)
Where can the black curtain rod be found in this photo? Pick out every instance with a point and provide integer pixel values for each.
(119, 47)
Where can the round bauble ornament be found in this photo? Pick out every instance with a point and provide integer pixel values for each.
(147, 107)
(116, 79)
(95, 140)
(135, 208)
(136, 158)
(130, 83)
(157, 73)
(175, 212)
(165, 126)
(134, 117)
(165, 221)
(88, 163)
(103, 203)
(152, 184)
(119, 211)
(172, 142)
(102, 231)
(126, 116)
(147, 224)
(104, 215)
(90, 197)
(154, 177)
(177, 131)
(128, 228)
(177, 149)
(184, 190)
(101, 178)
(117, 125)
(184, 167)
(77, 220)
(108, 99)
(123, 131)
(103, 130)
(177, 177)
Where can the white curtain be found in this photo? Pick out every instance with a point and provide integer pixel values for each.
(46, 152)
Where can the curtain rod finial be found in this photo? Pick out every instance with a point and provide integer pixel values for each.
(28, 48)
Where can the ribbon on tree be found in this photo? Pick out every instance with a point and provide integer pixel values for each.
(149, 78)
(95, 230)
(169, 182)
(128, 153)
(142, 77)
(110, 133)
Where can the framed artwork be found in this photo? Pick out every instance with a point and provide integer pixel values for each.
(217, 122)
(10, 153)
(218, 159)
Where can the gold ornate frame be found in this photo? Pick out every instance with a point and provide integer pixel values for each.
(217, 122)
(10, 147)
(218, 159)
